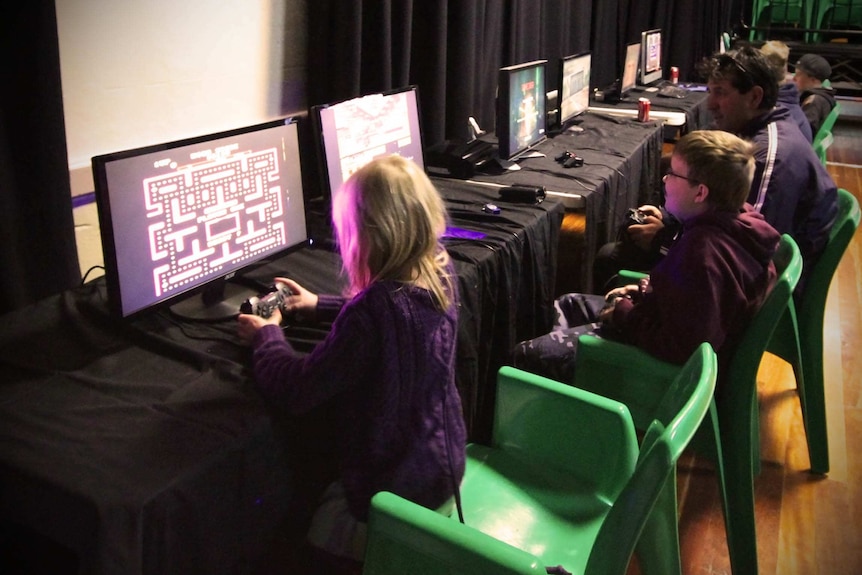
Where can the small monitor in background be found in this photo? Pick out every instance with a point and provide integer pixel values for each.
(628, 80)
(353, 132)
(650, 63)
(521, 119)
(574, 91)
(189, 217)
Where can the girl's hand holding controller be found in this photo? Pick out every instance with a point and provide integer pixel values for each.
(299, 300)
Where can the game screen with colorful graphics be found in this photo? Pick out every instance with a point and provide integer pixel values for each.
(354, 132)
(521, 116)
(179, 217)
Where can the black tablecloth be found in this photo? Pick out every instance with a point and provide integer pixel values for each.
(130, 446)
(620, 171)
(142, 445)
(693, 105)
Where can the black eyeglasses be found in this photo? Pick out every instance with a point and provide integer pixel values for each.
(674, 174)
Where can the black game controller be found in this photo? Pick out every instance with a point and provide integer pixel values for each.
(570, 160)
(266, 304)
(636, 216)
(574, 162)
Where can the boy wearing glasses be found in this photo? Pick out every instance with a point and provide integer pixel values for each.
(791, 188)
(708, 285)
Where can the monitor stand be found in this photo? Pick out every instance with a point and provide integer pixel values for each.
(512, 163)
(219, 301)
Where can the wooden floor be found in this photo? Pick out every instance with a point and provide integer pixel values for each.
(806, 524)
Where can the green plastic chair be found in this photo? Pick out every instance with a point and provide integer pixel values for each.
(732, 435)
(835, 14)
(563, 483)
(823, 138)
(799, 337)
(779, 13)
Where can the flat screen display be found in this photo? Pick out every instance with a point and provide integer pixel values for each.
(650, 57)
(574, 86)
(521, 116)
(353, 132)
(630, 68)
(179, 216)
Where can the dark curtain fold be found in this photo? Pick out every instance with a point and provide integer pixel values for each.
(38, 256)
(690, 32)
(451, 50)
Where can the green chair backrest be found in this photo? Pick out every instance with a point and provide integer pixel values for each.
(811, 308)
(821, 144)
(408, 538)
(825, 130)
(840, 14)
(541, 423)
(779, 13)
(750, 349)
(676, 419)
(799, 338)
(834, 14)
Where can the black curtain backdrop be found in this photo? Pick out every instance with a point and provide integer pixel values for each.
(452, 50)
(38, 256)
(690, 32)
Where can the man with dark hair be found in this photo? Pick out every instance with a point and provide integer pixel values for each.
(816, 99)
(791, 188)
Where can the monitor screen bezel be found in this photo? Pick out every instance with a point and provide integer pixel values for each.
(649, 75)
(629, 59)
(508, 146)
(563, 119)
(327, 187)
(106, 208)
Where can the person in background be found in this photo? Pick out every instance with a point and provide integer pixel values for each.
(707, 287)
(777, 54)
(816, 99)
(791, 188)
(387, 366)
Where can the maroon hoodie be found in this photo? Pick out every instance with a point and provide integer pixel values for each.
(708, 286)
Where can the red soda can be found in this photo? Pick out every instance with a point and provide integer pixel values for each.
(674, 75)
(643, 109)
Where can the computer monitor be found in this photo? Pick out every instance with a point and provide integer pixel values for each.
(520, 108)
(574, 94)
(650, 57)
(353, 132)
(629, 77)
(188, 217)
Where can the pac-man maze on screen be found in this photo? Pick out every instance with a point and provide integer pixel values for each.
(207, 215)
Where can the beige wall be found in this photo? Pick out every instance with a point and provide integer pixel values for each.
(137, 73)
(142, 72)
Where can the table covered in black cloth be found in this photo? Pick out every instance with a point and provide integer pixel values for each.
(142, 447)
(693, 106)
(620, 171)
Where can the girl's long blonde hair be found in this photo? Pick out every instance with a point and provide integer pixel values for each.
(388, 219)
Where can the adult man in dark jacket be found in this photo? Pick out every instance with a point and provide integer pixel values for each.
(791, 188)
